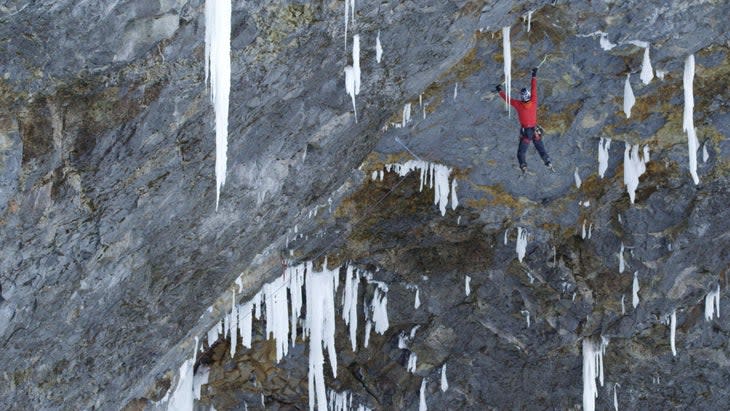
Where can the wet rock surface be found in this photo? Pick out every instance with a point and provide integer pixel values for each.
(113, 252)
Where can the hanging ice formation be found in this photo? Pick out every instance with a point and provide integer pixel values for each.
(342, 401)
(583, 230)
(647, 72)
(688, 121)
(621, 259)
(422, 397)
(521, 243)
(281, 323)
(673, 331)
(705, 154)
(406, 114)
(378, 48)
(712, 304)
(578, 181)
(603, 145)
(634, 167)
(417, 302)
(218, 72)
(635, 290)
(352, 73)
(456, 90)
(507, 65)
(444, 381)
(467, 287)
(436, 176)
(615, 398)
(592, 369)
(629, 98)
(529, 20)
(412, 358)
(623, 306)
(349, 6)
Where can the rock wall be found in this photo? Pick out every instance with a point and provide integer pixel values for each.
(114, 258)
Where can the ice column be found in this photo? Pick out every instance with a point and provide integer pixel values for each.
(218, 71)
(688, 122)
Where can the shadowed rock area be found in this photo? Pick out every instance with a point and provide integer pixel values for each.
(115, 263)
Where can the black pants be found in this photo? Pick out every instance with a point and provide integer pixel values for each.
(527, 135)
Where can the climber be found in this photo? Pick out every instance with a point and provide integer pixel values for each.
(526, 108)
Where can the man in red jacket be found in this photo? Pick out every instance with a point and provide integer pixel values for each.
(526, 108)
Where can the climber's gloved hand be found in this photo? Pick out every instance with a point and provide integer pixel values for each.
(498, 88)
(534, 72)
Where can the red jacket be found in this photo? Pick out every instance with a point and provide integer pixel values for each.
(527, 112)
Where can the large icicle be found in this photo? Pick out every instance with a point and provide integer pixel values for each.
(380, 309)
(635, 290)
(688, 121)
(507, 65)
(592, 369)
(218, 71)
(296, 281)
(277, 315)
(629, 98)
(712, 304)
(521, 243)
(634, 167)
(647, 72)
(320, 327)
(435, 176)
(349, 303)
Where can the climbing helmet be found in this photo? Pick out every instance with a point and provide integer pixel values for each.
(525, 95)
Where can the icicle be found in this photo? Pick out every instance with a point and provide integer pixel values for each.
(578, 181)
(277, 315)
(529, 20)
(378, 48)
(623, 306)
(507, 65)
(647, 72)
(380, 311)
(712, 304)
(521, 243)
(456, 90)
(590, 230)
(635, 290)
(688, 122)
(629, 98)
(467, 287)
(356, 57)
(244, 324)
(349, 303)
(234, 325)
(422, 396)
(200, 379)
(603, 145)
(615, 398)
(444, 382)
(621, 259)
(182, 397)
(406, 114)
(218, 71)
(368, 327)
(417, 302)
(592, 369)
(527, 317)
(705, 154)
(505, 236)
(320, 326)
(412, 362)
(350, 87)
(673, 331)
(634, 167)
(583, 230)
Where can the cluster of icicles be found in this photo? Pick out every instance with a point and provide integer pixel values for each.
(282, 318)
(433, 175)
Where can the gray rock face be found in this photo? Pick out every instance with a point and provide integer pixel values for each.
(112, 252)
